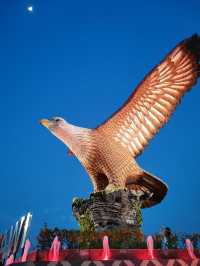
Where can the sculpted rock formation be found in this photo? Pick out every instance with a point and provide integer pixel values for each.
(104, 211)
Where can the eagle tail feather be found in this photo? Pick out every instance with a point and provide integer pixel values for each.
(151, 183)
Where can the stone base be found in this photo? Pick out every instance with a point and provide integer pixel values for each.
(106, 211)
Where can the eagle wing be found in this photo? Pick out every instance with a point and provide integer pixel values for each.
(155, 98)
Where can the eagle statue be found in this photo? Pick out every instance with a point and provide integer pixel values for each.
(108, 151)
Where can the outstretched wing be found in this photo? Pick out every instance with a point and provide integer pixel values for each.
(155, 98)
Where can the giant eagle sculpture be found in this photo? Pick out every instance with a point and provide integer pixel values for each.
(108, 152)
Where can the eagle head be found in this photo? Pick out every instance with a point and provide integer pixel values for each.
(62, 130)
(57, 126)
(53, 123)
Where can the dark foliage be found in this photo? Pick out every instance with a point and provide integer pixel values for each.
(121, 238)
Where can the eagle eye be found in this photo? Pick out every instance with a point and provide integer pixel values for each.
(57, 119)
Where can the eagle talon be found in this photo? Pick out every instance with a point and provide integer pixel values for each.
(111, 188)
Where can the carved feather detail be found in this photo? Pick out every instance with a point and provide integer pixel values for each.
(156, 97)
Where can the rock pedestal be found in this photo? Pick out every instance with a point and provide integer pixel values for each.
(106, 211)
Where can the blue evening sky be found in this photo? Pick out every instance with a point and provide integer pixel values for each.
(81, 60)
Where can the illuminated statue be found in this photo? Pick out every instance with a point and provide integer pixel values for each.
(108, 152)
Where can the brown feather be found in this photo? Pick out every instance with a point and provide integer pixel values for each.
(157, 96)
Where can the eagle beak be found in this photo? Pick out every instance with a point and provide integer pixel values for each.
(45, 122)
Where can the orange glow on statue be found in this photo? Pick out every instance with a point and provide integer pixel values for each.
(108, 152)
